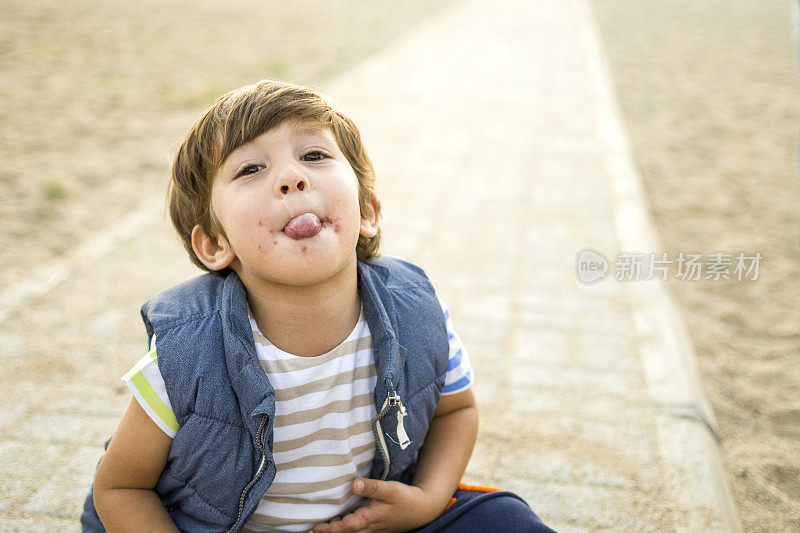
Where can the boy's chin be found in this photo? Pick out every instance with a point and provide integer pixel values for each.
(307, 272)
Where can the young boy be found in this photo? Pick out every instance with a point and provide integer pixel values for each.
(304, 382)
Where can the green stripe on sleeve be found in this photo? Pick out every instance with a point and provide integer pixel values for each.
(153, 400)
(153, 355)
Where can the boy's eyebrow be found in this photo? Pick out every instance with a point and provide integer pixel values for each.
(229, 165)
(309, 130)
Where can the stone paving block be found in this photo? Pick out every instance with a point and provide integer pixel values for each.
(538, 347)
(605, 351)
(544, 250)
(566, 528)
(16, 459)
(585, 506)
(66, 428)
(489, 307)
(486, 389)
(11, 414)
(22, 471)
(488, 346)
(490, 373)
(538, 272)
(607, 310)
(557, 145)
(543, 463)
(486, 283)
(465, 282)
(478, 335)
(609, 293)
(13, 344)
(65, 491)
(606, 408)
(39, 525)
(621, 441)
(633, 442)
(580, 198)
(489, 461)
(552, 319)
(564, 379)
(89, 399)
(14, 489)
(418, 225)
(498, 222)
(685, 445)
(478, 276)
(545, 244)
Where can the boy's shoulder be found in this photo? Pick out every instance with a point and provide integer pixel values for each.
(206, 294)
(197, 296)
(394, 271)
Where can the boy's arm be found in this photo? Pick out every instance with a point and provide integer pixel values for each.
(124, 481)
(441, 463)
(444, 456)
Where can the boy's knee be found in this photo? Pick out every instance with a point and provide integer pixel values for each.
(497, 511)
(507, 512)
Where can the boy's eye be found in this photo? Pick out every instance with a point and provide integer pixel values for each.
(249, 169)
(314, 155)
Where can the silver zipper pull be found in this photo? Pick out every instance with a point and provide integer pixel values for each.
(402, 437)
(392, 397)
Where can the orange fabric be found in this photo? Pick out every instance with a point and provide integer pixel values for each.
(451, 502)
(476, 488)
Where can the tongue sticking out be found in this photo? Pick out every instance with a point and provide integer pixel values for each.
(301, 226)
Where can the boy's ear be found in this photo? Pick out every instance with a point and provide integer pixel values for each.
(216, 254)
(371, 216)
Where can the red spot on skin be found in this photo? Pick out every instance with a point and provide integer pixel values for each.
(337, 227)
(260, 223)
(303, 249)
(275, 242)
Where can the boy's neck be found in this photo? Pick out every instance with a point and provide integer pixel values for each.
(307, 321)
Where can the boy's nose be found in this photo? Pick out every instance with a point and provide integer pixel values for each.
(291, 181)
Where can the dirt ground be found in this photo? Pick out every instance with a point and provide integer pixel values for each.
(709, 91)
(96, 95)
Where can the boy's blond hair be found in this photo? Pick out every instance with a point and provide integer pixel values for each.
(237, 118)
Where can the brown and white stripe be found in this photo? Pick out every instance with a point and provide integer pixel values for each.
(323, 431)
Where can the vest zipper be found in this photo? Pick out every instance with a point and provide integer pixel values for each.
(391, 400)
(262, 467)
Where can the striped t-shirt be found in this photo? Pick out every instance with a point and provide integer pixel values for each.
(324, 412)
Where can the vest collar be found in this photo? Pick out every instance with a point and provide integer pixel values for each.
(256, 394)
(381, 316)
(253, 389)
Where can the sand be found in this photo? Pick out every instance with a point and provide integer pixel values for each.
(96, 96)
(709, 91)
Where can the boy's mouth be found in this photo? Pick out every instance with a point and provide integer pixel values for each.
(303, 226)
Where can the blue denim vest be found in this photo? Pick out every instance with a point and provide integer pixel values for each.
(220, 462)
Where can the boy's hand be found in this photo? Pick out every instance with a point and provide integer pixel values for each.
(442, 461)
(394, 507)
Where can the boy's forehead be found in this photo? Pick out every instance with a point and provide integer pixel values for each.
(309, 127)
(296, 127)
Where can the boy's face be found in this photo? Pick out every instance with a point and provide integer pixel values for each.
(288, 203)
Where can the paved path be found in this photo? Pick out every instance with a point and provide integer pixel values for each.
(500, 156)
